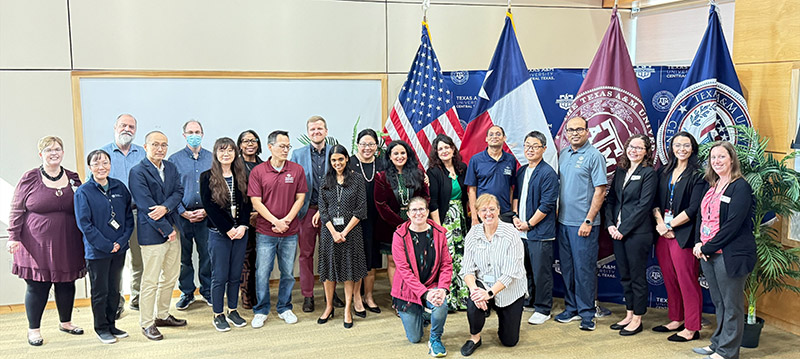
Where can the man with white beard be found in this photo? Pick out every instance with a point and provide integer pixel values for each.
(124, 155)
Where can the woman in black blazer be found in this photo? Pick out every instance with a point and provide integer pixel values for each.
(680, 190)
(726, 247)
(223, 191)
(449, 207)
(629, 221)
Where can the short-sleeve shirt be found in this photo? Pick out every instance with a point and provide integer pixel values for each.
(581, 171)
(277, 190)
(493, 177)
(121, 164)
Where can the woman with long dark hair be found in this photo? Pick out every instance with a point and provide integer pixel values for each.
(449, 199)
(223, 190)
(249, 148)
(680, 190)
(341, 247)
(402, 180)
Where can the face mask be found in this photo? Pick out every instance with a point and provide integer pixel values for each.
(194, 140)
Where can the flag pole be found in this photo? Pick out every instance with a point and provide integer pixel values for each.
(508, 8)
(426, 4)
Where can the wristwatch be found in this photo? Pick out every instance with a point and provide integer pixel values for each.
(587, 221)
(491, 294)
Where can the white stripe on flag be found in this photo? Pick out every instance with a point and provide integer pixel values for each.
(444, 121)
(412, 135)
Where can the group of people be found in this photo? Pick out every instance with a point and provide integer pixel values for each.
(477, 237)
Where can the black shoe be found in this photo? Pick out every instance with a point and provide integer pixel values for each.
(119, 315)
(375, 309)
(73, 331)
(106, 338)
(361, 314)
(677, 338)
(35, 342)
(235, 319)
(308, 304)
(626, 333)
(348, 325)
(119, 333)
(337, 303)
(469, 347)
(184, 302)
(616, 326)
(221, 323)
(325, 320)
(664, 329)
(134, 306)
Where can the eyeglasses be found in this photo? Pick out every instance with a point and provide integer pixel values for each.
(485, 210)
(636, 148)
(226, 150)
(283, 147)
(417, 210)
(162, 146)
(367, 145)
(533, 147)
(100, 164)
(577, 131)
(251, 141)
(51, 150)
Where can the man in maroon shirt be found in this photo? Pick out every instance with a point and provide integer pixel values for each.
(277, 189)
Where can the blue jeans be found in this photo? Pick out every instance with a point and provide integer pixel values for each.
(578, 257)
(227, 258)
(267, 247)
(412, 321)
(192, 233)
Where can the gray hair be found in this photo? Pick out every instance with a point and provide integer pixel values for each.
(195, 121)
(273, 136)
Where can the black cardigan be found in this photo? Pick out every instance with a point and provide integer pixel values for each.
(219, 217)
(686, 198)
(442, 188)
(633, 199)
(735, 236)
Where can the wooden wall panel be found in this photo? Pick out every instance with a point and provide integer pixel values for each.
(767, 88)
(767, 31)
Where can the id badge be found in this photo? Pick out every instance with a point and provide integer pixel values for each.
(489, 280)
(233, 211)
(706, 230)
(338, 221)
(668, 216)
(113, 223)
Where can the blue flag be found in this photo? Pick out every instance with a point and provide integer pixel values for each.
(710, 99)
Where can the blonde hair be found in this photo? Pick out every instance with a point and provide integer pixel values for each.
(315, 118)
(48, 141)
(736, 167)
(485, 199)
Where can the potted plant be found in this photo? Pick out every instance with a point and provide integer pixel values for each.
(776, 188)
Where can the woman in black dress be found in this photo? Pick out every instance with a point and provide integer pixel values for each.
(249, 148)
(366, 163)
(341, 247)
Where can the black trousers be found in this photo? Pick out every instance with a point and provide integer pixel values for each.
(36, 299)
(508, 318)
(632, 253)
(105, 275)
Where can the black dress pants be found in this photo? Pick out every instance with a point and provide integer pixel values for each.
(632, 253)
(105, 275)
(508, 320)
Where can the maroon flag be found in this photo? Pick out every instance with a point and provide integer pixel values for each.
(609, 99)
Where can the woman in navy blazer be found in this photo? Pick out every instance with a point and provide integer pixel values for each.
(629, 221)
(104, 215)
(726, 246)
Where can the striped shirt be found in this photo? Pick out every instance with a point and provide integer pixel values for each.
(500, 258)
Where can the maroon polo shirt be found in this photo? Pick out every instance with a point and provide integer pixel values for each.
(277, 190)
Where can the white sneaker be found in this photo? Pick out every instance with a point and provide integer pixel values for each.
(287, 316)
(538, 318)
(258, 320)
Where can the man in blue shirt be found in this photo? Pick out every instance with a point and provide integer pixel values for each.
(492, 171)
(191, 161)
(124, 155)
(583, 189)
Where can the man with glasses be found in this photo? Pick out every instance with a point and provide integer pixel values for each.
(277, 188)
(583, 189)
(156, 188)
(492, 171)
(192, 160)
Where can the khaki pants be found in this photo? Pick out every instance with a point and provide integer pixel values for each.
(161, 269)
(135, 263)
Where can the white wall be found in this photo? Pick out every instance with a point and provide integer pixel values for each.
(41, 42)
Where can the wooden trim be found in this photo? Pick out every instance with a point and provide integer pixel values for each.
(77, 122)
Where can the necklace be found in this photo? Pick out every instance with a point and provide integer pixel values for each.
(402, 190)
(54, 179)
(361, 166)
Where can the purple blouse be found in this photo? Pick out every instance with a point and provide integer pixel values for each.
(44, 223)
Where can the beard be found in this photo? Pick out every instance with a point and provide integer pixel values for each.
(124, 139)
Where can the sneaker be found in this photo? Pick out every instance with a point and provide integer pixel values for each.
(184, 302)
(600, 311)
(566, 317)
(221, 324)
(538, 318)
(106, 338)
(235, 319)
(258, 320)
(288, 317)
(587, 324)
(207, 300)
(119, 333)
(436, 348)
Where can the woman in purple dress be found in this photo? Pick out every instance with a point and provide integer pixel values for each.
(44, 238)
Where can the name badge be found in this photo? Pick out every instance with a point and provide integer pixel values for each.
(288, 179)
(337, 221)
(507, 171)
(725, 199)
(636, 177)
(113, 223)
(667, 217)
(706, 230)
(489, 280)
(233, 211)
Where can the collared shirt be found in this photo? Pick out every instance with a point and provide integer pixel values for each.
(121, 164)
(499, 259)
(277, 189)
(317, 172)
(523, 199)
(160, 169)
(581, 171)
(494, 177)
(190, 169)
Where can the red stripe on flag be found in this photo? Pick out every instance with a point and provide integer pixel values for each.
(453, 117)
(437, 127)
(398, 126)
(474, 136)
(422, 137)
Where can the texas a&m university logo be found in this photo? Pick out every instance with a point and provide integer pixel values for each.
(705, 109)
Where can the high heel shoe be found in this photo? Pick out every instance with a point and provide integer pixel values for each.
(325, 320)
(375, 309)
(346, 324)
(361, 314)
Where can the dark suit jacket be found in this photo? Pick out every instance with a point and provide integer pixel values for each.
(543, 189)
(149, 190)
(442, 189)
(220, 217)
(688, 194)
(389, 208)
(633, 199)
(735, 236)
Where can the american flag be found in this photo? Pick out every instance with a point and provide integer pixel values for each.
(425, 107)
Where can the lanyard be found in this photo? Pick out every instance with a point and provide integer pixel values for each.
(671, 187)
(105, 194)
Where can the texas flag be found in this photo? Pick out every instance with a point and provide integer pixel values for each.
(507, 99)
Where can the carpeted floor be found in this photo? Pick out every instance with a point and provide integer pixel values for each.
(379, 335)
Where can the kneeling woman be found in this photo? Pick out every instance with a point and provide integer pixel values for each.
(223, 190)
(494, 272)
(423, 274)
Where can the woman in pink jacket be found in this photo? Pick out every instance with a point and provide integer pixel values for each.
(422, 277)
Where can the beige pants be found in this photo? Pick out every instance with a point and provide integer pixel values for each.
(135, 262)
(161, 269)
